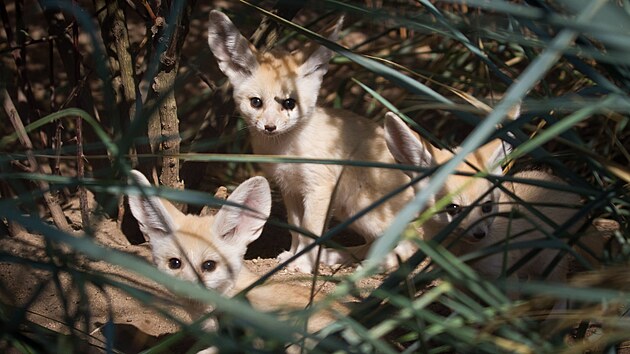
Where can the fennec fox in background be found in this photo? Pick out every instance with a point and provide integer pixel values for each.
(276, 92)
(210, 248)
(483, 226)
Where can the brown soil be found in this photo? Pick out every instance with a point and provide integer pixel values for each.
(137, 326)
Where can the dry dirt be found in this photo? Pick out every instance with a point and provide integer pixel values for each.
(137, 326)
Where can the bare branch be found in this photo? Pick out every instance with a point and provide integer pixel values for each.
(55, 210)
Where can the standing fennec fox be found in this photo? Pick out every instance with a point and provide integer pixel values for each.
(210, 248)
(276, 92)
(488, 222)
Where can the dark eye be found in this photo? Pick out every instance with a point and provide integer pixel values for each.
(453, 209)
(486, 207)
(288, 104)
(255, 102)
(174, 263)
(209, 266)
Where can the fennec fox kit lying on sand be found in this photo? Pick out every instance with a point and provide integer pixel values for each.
(210, 248)
(483, 226)
(276, 92)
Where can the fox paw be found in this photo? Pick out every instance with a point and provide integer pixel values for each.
(284, 256)
(301, 265)
(391, 262)
(334, 257)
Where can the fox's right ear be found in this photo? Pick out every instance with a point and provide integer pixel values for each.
(150, 212)
(235, 55)
(404, 144)
(242, 225)
(498, 156)
(317, 63)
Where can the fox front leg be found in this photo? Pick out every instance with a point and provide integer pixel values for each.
(295, 213)
(316, 204)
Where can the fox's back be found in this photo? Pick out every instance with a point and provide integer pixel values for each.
(287, 295)
(335, 134)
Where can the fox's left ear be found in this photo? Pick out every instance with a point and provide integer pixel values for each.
(497, 158)
(317, 62)
(405, 145)
(515, 112)
(240, 225)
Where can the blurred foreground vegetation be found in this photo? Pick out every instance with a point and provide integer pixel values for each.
(92, 89)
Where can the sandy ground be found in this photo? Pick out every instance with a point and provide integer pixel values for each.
(59, 306)
(137, 326)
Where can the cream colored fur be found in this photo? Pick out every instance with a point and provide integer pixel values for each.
(560, 208)
(482, 228)
(222, 239)
(308, 131)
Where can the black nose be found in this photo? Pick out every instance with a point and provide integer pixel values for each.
(270, 127)
(479, 234)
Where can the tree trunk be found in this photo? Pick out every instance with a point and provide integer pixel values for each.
(116, 38)
(163, 123)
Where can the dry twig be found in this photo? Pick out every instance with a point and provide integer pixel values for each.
(55, 209)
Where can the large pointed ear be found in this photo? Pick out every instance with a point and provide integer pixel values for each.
(151, 213)
(497, 157)
(497, 150)
(235, 55)
(515, 112)
(317, 63)
(404, 144)
(239, 225)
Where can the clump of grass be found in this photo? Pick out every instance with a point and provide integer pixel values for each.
(565, 60)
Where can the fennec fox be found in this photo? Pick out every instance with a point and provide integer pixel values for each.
(210, 248)
(276, 92)
(488, 221)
